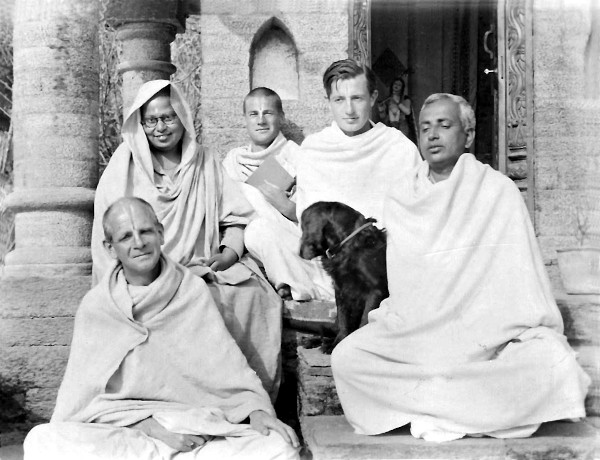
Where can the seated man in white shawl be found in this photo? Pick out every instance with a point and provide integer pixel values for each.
(153, 372)
(352, 161)
(263, 115)
(470, 340)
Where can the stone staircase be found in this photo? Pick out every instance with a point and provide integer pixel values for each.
(328, 436)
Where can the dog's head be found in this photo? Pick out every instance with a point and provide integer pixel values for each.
(325, 224)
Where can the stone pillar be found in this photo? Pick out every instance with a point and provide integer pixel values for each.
(145, 30)
(55, 122)
(55, 127)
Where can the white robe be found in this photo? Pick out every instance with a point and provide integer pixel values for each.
(331, 166)
(162, 352)
(470, 340)
(196, 205)
(241, 162)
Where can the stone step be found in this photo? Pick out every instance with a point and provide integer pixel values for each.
(12, 452)
(316, 389)
(332, 438)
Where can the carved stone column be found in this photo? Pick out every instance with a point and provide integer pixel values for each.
(55, 127)
(145, 29)
(55, 122)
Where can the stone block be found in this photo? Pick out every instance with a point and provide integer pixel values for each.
(225, 82)
(40, 403)
(332, 438)
(41, 297)
(36, 331)
(317, 394)
(33, 367)
(581, 316)
(224, 113)
(588, 356)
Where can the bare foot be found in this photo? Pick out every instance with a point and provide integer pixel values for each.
(285, 292)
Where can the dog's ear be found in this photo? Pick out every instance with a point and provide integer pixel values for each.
(372, 220)
(330, 235)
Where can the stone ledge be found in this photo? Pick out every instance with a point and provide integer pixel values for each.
(332, 438)
(314, 317)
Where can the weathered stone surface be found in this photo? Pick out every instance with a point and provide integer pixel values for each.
(29, 367)
(332, 438)
(581, 316)
(588, 356)
(41, 297)
(36, 331)
(40, 403)
(317, 394)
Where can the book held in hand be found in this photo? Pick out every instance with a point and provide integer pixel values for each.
(271, 171)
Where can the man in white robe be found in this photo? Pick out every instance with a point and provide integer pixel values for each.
(470, 340)
(353, 161)
(263, 115)
(153, 372)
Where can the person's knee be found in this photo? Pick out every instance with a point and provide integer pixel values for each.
(256, 233)
(343, 356)
(38, 437)
(279, 449)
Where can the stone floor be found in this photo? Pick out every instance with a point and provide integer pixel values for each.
(332, 438)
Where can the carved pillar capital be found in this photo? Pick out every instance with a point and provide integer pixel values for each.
(145, 29)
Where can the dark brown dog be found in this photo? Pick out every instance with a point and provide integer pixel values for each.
(353, 254)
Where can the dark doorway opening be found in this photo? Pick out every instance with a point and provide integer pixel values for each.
(438, 46)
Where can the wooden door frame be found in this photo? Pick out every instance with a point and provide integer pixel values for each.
(515, 156)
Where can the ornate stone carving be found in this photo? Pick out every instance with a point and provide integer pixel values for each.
(359, 35)
(516, 101)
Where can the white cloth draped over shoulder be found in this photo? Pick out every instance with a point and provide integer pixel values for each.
(165, 354)
(470, 339)
(198, 204)
(330, 166)
(353, 170)
(241, 162)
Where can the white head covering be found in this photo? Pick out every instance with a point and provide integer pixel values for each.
(187, 205)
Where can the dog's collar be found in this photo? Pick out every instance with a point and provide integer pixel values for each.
(332, 253)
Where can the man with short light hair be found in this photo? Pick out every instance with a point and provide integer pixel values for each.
(353, 161)
(153, 371)
(264, 116)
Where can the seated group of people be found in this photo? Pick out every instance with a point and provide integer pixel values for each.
(176, 349)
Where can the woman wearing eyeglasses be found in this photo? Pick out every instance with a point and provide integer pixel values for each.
(203, 214)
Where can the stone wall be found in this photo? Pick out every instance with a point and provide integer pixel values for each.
(566, 98)
(566, 125)
(320, 33)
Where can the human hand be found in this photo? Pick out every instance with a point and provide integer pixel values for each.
(278, 199)
(176, 441)
(223, 260)
(264, 423)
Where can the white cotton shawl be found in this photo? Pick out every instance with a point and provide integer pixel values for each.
(241, 162)
(180, 364)
(470, 339)
(471, 238)
(353, 170)
(190, 206)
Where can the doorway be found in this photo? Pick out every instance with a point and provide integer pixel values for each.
(440, 46)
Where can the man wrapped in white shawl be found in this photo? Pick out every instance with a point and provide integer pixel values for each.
(470, 340)
(203, 212)
(263, 115)
(153, 372)
(353, 161)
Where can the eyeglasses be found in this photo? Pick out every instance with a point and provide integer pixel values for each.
(153, 121)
